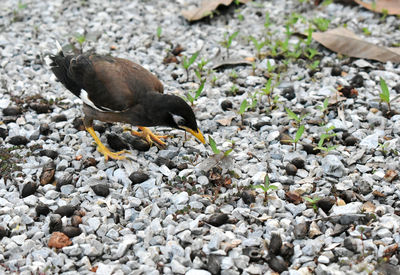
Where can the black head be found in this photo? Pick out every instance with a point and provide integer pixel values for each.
(179, 114)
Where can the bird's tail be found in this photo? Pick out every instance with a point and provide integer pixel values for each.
(59, 64)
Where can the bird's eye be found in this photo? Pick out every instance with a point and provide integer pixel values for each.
(178, 120)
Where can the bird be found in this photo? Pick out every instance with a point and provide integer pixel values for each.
(114, 89)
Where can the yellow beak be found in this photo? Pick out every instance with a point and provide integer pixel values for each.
(197, 134)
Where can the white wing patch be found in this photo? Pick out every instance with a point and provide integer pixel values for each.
(85, 98)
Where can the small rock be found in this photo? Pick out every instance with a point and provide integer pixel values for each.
(332, 166)
(48, 153)
(277, 263)
(314, 230)
(12, 111)
(214, 264)
(29, 189)
(218, 219)
(89, 162)
(298, 162)
(55, 223)
(42, 209)
(48, 172)
(275, 244)
(101, 190)
(287, 250)
(336, 71)
(350, 244)
(293, 197)
(65, 180)
(138, 177)
(226, 105)
(288, 93)
(139, 144)
(326, 203)
(309, 149)
(59, 240)
(164, 161)
(65, 211)
(291, 169)
(357, 81)
(182, 166)
(44, 129)
(351, 141)
(71, 231)
(76, 220)
(3, 133)
(116, 142)
(40, 108)
(248, 197)
(78, 124)
(300, 230)
(18, 140)
(3, 232)
(323, 259)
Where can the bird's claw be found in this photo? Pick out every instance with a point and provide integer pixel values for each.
(149, 136)
(113, 155)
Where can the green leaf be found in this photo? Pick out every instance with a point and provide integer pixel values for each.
(159, 31)
(258, 186)
(326, 103)
(231, 37)
(385, 95)
(193, 58)
(213, 145)
(299, 133)
(227, 152)
(189, 97)
(273, 187)
(200, 89)
(243, 107)
(292, 115)
(310, 200)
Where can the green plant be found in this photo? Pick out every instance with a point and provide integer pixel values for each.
(321, 23)
(313, 202)
(233, 75)
(80, 38)
(267, 90)
(201, 67)
(296, 118)
(217, 151)
(227, 42)
(159, 32)
(298, 135)
(191, 98)
(310, 53)
(243, 108)
(266, 187)
(258, 45)
(187, 62)
(326, 136)
(366, 31)
(17, 12)
(385, 95)
(234, 89)
(324, 107)
(313, 66)
(214, 79)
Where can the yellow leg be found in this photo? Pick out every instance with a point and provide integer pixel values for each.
(148, 136)
(103, 149)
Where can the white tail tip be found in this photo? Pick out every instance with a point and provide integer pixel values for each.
(59, 48)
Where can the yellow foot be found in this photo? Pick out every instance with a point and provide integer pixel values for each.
(108, 154)
(148, 136)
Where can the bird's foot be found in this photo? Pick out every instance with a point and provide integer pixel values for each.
(148, 135)
(108, 154)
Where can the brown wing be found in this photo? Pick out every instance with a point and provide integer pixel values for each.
(116, 84)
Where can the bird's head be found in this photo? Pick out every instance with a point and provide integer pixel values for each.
(180, 115)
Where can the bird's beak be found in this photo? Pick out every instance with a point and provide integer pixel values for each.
(197, 134)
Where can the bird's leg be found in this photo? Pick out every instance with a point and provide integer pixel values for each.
(149, 136)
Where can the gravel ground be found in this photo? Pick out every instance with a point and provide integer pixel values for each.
(185, 210)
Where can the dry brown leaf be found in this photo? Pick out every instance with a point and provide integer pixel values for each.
(226, 121)
(382, 6)
(59, 240)
(206, 8)
(345, 42)
(390, 175)
(368, 207)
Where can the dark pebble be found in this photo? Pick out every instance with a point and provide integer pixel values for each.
(65, 180)
(138, 177)
(226, 105)
(291, 169)
(339, 229)
(309, 148)
(177, 50)
(59, 118)
(288, 93)
(214, 264)
(29, 189)
(287, 250)
(293, 197)
(257, 126)
(300, 230)
(388, 269)
(326, 204)
(78, 124)
(99, 127)
(89, 162)
(44, 129)
(285, 139)
(76, 220)
(55, 223)
(48, 172)
(357, 81)
(42, 209)
(116, 142)
(164, 161)
(3, 133)
(182, 166)
(65, 211)
(18, 140)
(3, 232)
(275, 244)
(298, 162)
(218, 219)
(350, 244)
(336, 71)
(48, 153)
(101, 190)
(12, 111)
(253, 253)
(40, 108)
(347, 195)
(277, 263)
(351, 141)
(71, 231)
(248, 197)
(139, 144)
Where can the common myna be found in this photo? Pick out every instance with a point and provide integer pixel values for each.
(118, 90)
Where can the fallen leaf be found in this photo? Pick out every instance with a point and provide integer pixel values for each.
(382, 6)
(368, 207)
(206, 8)
(225, 121)
(345, 42)
(340, 202)
(293, 197)
(390, 175)
(391, 249)
(59, 240)
(376, 193)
